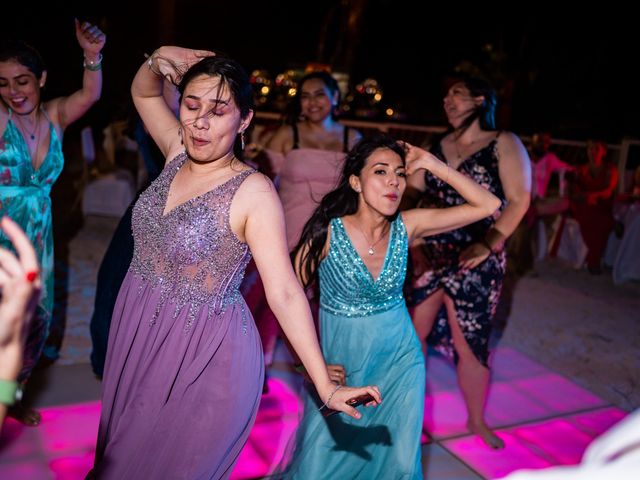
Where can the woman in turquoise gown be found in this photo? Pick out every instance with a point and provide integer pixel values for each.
(31, 159)
(355, 246)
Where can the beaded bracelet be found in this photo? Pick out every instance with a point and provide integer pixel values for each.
(93, 66)
(326, 404)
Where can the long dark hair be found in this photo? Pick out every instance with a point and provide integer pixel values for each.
(341, 201)
(294, 109)
(486, 112)
(233, 76)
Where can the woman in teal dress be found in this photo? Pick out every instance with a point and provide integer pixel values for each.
(355, 246)
(31, 160)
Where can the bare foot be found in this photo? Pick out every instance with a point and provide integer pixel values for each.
(484, 432)
(25, 415)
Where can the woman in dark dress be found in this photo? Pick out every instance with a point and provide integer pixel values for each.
(455, 297)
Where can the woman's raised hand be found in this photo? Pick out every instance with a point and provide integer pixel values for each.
(90, 38)
(173, 62)
(418, 158)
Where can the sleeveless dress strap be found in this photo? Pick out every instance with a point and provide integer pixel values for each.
(345, 140)
(296, 137)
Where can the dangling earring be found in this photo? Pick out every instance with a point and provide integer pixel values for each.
(180, 135)
(242, 140)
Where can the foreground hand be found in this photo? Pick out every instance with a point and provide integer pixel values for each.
(20, 285)
(474, 255)
(90, 38)
(341, 396)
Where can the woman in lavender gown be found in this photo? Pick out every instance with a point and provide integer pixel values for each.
(184, 365)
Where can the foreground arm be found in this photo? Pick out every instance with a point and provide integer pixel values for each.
(66, 110)
(20, 285)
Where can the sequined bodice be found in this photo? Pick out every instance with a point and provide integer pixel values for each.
(190, 253)
(346, 286)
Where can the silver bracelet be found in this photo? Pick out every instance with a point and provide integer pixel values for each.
(150, 65)
(326, 404)
(93, 66)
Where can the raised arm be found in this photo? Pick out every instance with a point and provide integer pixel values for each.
(264, 232)
(422, 222)
(66, 110)
(166, 64)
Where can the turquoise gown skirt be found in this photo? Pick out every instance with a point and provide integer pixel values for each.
(365, 326)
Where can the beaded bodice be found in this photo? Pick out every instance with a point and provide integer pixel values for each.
(189, 253)
(346, 286)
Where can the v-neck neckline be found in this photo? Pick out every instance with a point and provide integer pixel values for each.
(25, 145)
(164, 215)
(360, 261)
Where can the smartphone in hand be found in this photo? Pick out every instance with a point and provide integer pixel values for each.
(354, 402)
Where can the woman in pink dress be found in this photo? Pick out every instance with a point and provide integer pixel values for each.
(307, 154)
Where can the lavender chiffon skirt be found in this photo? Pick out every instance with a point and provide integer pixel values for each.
(176, 402)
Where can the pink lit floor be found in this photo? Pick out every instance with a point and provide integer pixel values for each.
(543, 418)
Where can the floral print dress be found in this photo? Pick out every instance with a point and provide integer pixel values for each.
(475, 293)
(24, 197)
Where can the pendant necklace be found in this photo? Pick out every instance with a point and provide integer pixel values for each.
(455, 144)
(23, 129)
(372, 250)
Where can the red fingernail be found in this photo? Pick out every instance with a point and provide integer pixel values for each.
(31, 276)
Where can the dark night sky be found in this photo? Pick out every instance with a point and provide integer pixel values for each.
(571, 74)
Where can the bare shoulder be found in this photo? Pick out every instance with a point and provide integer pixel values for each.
(256, 189)
(281, 140)
(52, 109)
(509, 140)
(510, 147)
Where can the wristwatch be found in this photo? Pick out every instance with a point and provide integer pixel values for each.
(10, 392)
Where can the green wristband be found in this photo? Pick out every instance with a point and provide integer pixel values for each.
(10, 392)
(93, 66)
